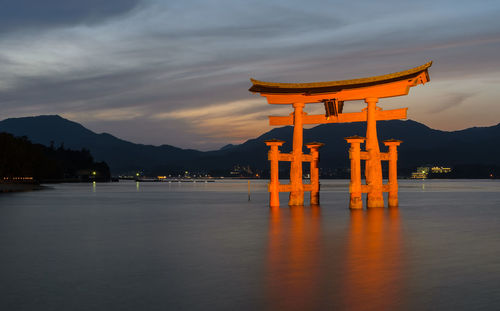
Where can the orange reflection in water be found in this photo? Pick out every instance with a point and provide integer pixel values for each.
(374, 261)
(310, 268)
(293, 258)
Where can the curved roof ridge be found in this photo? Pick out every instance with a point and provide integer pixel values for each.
(373, 79)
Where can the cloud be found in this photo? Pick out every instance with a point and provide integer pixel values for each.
(115, 114)
(233, 122)
(237, 107)
(32, 15)
(183, 66)
(449, 101)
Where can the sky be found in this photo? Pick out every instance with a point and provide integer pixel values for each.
(177, 72)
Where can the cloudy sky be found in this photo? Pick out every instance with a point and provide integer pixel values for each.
(177, 72)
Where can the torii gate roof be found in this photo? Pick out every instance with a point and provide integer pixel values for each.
(419, 72)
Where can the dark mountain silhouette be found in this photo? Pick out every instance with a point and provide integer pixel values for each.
(121, 155)
(421, 145)
(228, 146)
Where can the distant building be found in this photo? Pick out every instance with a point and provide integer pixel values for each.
(440, 170)
(241, 171)
(423, 172)
(22, 179)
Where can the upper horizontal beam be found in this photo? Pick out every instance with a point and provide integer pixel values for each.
(336, 86)
(398, 88)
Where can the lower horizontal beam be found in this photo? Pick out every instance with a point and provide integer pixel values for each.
(285, 157)
(285, 188)
(288, 187)
(288, 157)
(365, 188)
(394, 114)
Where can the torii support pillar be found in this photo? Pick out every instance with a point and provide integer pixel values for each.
(313, 147)
(393, 171)
(355, 190)
(373, 169)
(273, 157)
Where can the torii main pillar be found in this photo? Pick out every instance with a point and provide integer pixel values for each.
(297, 187)
(373, 169)
(333, 94)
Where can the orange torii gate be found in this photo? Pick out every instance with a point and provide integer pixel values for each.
(333, 94)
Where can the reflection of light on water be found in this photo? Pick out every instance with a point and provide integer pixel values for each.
(374, 265)
(423, 185)
(137, 185)
(93, 186)
(360, 268)
(293, 257)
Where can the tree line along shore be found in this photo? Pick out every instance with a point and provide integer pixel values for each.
(24, 165)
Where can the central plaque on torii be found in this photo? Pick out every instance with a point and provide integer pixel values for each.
(334, 95)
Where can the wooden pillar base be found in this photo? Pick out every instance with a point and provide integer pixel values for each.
(314, 198)
(393, 200)
(356, 202)
(274, 199)
(393, 171)
(273, 157)
(296, 198)
(374, 200)
(313, 147)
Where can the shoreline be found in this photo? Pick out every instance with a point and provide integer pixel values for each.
(12, 187)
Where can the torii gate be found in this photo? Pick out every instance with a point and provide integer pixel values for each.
(333, 94)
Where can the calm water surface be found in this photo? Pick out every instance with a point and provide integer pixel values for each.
(204, 246)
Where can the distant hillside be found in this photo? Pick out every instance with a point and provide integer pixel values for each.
(422, 145)
(121, 155)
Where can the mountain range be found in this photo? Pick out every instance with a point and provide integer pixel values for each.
(421, 145)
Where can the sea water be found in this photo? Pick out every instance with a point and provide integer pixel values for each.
(205, 246)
